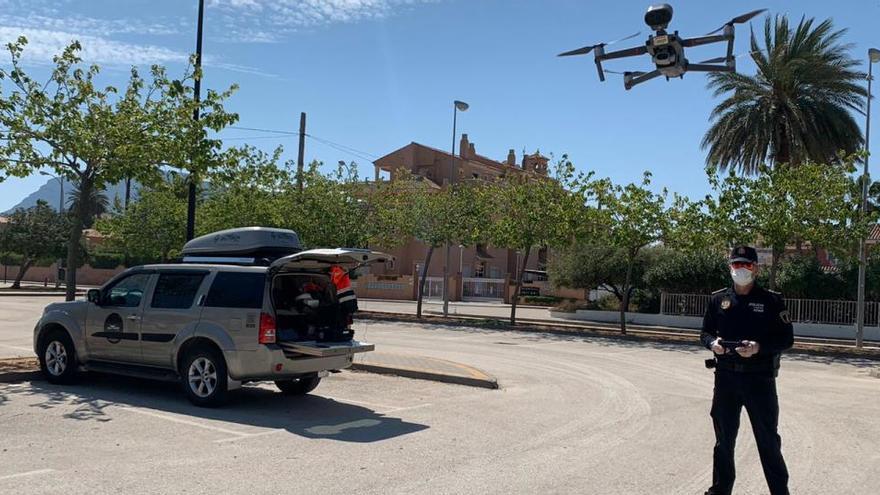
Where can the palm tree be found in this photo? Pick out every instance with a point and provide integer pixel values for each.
(96, 204)
(797, 107)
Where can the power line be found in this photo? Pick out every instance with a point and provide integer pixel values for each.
(257, 129)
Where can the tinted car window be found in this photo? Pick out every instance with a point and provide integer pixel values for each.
(127, 293)
(176, 290)
(237, 290)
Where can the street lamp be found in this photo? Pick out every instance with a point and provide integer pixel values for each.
(60, 181)
(873, 57)
(197, 93)
(456, 107)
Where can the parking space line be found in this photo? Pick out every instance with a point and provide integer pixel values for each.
(182, 421)
(407, 408)
(250, 435)
(27, 473)
(362, 403)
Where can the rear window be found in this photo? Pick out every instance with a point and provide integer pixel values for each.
(237, 290)
(176, 290)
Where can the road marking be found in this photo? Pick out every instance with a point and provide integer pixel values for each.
(243, 436)
(182, 421)
(28, 473)
(398, 409)
(18, 348)
(361, 403)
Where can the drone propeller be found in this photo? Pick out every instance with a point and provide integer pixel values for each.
(739, 20)
(587, 49)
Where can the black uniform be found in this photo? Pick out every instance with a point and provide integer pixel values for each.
(760, 316)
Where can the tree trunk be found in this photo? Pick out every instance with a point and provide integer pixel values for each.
(25, 266)
(80, 215)
(423, 278)
(624, 301)
(774, 266)
(519, 277)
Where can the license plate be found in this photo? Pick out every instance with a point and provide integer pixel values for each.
(661, 40)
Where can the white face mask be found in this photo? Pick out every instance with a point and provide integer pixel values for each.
(742, 276)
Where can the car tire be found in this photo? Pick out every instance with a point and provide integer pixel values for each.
(298, 386)
(204, 377)
(58, 358)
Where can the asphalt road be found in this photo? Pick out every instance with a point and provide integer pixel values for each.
(573, 415)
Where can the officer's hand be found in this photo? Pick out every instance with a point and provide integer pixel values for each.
(749, 348)
(716, 347)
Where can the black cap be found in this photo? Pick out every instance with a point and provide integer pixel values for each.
(744, 253)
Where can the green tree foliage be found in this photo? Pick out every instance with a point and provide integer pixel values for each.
(96, 204)
(695, 272)
(153, 228)
(35, 234)
(803, 277)
(798, 107)
(600, 265)
(93, 136)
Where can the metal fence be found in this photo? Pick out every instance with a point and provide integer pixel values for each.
(821, 311)
(482, 289)
(433, 288)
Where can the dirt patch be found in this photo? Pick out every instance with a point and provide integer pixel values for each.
(18, 369)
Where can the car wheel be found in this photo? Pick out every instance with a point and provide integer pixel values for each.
(204, 377)
(298, 386)
(58, 358)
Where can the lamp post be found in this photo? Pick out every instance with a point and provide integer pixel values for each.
(61, 182)
(873, 57)
(456, 106)
(197, 94)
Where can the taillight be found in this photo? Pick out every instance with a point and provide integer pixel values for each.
(267, 329)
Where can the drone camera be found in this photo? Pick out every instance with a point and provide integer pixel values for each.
(658, 16)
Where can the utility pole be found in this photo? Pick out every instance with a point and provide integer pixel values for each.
(302, 150)
(873, 57)
(197, 97)
(456, 106)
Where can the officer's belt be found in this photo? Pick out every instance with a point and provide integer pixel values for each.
(759, 367)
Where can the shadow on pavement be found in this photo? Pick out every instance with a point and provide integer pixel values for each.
(310, 416)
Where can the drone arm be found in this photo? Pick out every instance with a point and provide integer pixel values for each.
(629, 82)
(709, 68)
(629, 52)
(705, 40)
(599, 69)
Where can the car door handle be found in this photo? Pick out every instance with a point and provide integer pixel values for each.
(133, 317)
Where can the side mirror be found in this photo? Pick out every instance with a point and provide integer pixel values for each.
(94, 296)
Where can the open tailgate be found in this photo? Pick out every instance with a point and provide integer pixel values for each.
(326, 349)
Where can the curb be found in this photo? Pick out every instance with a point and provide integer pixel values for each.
(37, 294)
(484, 381)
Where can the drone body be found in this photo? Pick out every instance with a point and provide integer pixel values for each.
(667, 49)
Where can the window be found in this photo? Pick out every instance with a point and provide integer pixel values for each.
(127, 293)
(237, 290)
(176, 290)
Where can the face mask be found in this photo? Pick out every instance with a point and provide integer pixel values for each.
(742, 276)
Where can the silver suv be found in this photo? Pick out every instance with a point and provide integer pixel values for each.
(244, 305)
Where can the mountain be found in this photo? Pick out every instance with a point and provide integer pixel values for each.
(50, 192)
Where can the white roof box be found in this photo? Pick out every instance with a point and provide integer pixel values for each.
(247, 245)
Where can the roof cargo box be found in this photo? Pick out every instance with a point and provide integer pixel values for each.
(242, 246)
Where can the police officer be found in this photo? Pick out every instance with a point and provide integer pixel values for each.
(745, 371)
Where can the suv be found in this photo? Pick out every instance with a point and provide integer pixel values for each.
(244, 305)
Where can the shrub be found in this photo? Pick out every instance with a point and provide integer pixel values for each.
(105, 260)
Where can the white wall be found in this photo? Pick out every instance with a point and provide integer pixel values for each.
(694, 323)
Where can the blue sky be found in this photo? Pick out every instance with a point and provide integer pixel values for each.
(374, 75)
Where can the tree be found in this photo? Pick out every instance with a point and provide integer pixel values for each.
(93, 136)
(633, 218)
(35, 233)
(699, 272)
(797, 107)
(532, 211)
(96, 204)
(153, 227)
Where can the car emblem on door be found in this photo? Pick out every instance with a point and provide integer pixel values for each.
(113, 328)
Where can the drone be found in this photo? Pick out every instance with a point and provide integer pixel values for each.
(667, 50)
